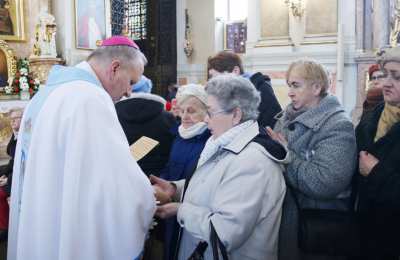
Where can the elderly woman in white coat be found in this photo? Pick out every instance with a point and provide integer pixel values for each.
(238, 184)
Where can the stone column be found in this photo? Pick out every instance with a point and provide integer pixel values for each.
(253, 23)
(360, 24)
(368, 25)
(381, 25)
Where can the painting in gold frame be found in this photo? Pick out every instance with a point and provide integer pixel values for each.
(12, 20)
(90, 23)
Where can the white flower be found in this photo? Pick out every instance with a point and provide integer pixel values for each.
(37, 82)
(23, 80)
(23, 71)
(8, 90)
(24, 86)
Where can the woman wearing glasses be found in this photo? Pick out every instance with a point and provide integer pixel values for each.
(321, 150)
(378, 140)
(374, 94)
(238, 184)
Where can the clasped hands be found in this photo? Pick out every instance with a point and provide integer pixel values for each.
(366, 162)
(164, 191)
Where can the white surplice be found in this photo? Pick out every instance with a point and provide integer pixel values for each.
(83, 195)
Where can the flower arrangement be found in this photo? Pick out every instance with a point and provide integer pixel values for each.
(23, 80)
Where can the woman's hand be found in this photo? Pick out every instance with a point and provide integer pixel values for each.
(278, 137)
(163, 190)
(3, 180)
(168, 210)
(366, 162)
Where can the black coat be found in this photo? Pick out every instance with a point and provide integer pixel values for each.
(379, 192)
(381, 189)
(269, 105)
(140, 116)
(8, 168)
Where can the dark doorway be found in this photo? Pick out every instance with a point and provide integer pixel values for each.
(152, 24)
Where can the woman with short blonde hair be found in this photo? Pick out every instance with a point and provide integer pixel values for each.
(321, 151)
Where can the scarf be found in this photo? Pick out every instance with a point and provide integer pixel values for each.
(196, 129)
(389, 116)
(214, 145)
(292, 113)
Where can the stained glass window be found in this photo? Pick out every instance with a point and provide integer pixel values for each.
(117, 16)
(130, 17)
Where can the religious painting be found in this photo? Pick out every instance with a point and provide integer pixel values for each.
(3, 69)
(235, 37)
(12, 20)
(90, 25)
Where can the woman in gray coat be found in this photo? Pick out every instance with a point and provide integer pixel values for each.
(238, 184)
(321, 151)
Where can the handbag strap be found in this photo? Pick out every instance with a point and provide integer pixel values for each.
(295, 198)
(216, 243)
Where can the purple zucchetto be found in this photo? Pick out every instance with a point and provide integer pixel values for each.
(119, 41)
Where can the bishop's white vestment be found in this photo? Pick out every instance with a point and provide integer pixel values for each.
(77, 193)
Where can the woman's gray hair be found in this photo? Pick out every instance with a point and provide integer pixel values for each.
(126, 54)
(232, 92)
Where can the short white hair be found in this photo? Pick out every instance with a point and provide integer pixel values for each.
(126, 54)
(191, 90)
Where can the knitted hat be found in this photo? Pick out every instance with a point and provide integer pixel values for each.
(143, 85)
(192, 90)
(372, 69)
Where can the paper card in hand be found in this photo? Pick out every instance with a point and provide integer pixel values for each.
(142, 146)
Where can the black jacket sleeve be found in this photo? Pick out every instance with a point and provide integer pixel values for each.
(269, 105)
(381, 187)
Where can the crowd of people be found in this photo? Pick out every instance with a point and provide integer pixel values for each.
(230, 177)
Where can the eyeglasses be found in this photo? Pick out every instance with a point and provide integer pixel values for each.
(211, 114)
(390, 74)
(379, 77)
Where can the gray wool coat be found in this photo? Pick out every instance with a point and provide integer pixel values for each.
(322, 159)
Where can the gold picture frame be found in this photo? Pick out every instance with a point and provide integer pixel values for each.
(12, 24)
(9, 55)
(8, 67)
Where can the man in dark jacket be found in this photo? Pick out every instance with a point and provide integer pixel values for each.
(226, 61)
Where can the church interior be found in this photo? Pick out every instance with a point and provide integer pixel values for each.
(178, 37)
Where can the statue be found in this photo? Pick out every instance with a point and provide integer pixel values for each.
(45, 37)
(395, 24)
(44, 52)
